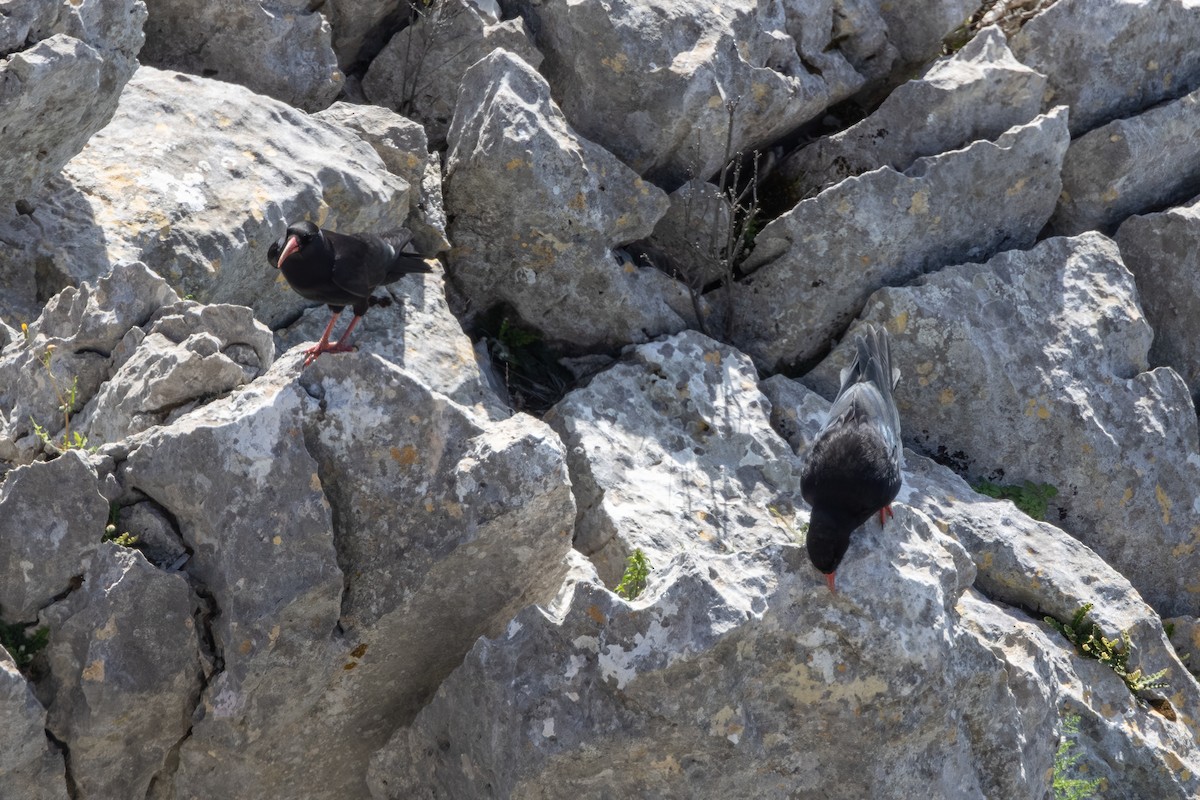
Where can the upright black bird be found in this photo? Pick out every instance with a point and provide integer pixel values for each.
(340, 270)
(853, 469)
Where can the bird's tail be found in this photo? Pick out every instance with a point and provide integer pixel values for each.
(873, 361)
(405, 258)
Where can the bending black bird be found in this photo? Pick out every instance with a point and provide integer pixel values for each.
(340, 270)
(853, 470)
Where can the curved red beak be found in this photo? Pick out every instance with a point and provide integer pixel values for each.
(293, 244)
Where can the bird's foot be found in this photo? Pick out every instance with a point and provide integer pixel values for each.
(888, 510)
(310, 355)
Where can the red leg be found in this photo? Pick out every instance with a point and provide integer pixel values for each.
(829, 580)
(888, 510)
(323, 346)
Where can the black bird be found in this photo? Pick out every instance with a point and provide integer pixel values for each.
(340, 270)
(853, 469)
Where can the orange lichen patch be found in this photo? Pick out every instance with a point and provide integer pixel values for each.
(405, 456)
(359, 651)
(713, 357)
(94, 671)
(596, 614)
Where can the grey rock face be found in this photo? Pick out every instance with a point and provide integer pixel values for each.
(1163, 253)
(356, 26)
(652, 81)
(188, 354)
(196, 178)
(978, 93)
(1049, 347)
(404, 149)
(1108, 60)
(62, 68)
(85, 352)
(419, 334)
(126, 671)
(405, 496)
(420, 71)
(816, 265)
(553, 262)
(1034, 565)
(692, 691)
(1130, 166)
(43, 548)
(671, 452)
(30, 767)
(275, 47)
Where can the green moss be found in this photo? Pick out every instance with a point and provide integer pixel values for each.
(1032, 498)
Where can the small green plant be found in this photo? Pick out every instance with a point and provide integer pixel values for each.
(1065, 759)
(71, 440)
(1030, 497)
(21, 645)
(1090, 641)
(637, 570)
(125, 539)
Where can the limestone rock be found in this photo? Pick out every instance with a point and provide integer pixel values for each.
(978, 93)
(404, 149)
(1029, 564)
(41, 547)
(188, 354)
(196, 178)
(125, 673)
(815, 266)
(1130, 748)
(1163, 253)
(1111, 59)
(377, 496)
(1048, 348)
(660, 83)
(553, 262)
(917, 31)
(417, 333)
(420, 71)
(65, 356)
(280, 48)
(695, 689)
(157, 537)
(359, 25)
(671, 450)
(30, 767)
(1130, 166)
(62, 68)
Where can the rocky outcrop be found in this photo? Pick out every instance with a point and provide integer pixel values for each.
(670, 452)
(1069, 400)
(62, 68)
(420, 71)
(40, 552)
(226, 573)
(30, 765)
(511, 148)
(815, 266)
(1163, 253)
(675, 90)
(1130, 166)
(280, 48)
(123, 679)
(978, 93)
(1108, 65)
(196, 178)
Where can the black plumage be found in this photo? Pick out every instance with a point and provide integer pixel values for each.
(340, 270)
(853, 469)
